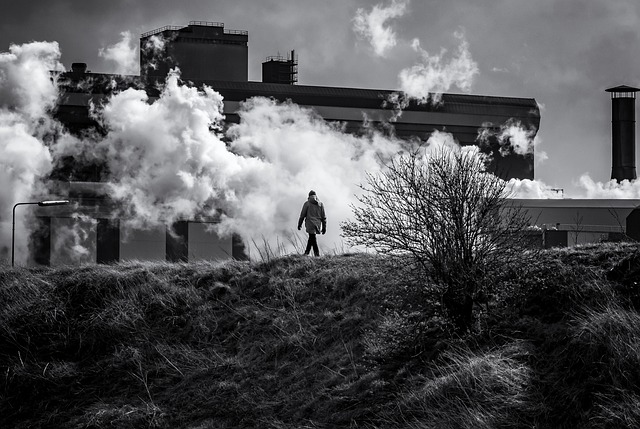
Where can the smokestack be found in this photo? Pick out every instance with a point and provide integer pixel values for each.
(623, 132)
(79, 67)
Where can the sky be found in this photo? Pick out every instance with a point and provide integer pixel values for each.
(562, 53)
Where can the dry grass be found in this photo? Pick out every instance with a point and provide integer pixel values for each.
(336, 341)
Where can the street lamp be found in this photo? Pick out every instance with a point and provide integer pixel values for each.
(46, 203)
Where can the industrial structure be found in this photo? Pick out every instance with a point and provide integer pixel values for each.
(623, 132)
(202, 50)
(278, 69)
(207, 53)
(567, 222)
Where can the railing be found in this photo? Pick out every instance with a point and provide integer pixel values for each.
(218, 24)
(160, 30)
(241, 32)
(207, 23)
(199, 23)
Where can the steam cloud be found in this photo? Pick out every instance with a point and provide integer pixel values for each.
(27, 94)
(611, 189)
(371, 25)
(427, 80)
(433, 74)
(170, 160)
(124, 54)
(154, 48)
(514, 137)
(531, 189)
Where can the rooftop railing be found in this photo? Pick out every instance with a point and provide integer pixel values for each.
(207, 23)
(161, 29)
(198, 23)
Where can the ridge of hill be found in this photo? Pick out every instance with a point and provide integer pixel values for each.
(349, 340)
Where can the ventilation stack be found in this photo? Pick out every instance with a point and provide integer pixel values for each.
(623, 132)
(278, 69)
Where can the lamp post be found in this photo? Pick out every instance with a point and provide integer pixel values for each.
(39, 203)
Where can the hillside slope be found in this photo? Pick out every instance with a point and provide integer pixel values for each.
(342, 341)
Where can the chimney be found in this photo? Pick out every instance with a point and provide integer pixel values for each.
(79, 67)
(623, 132)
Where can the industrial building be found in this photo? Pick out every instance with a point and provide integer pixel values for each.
(567, 222)
(208, 53)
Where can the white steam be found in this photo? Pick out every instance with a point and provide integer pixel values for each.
(124, 54)
(72, 240)
(156, 43)
(26, 85)
(585, 188)
(514, 137)
(169, 160)
(154, 48)
(612, 189)
(299, 152)
(27, 94)
(532, 189)
(166, 161)
(372, 27)
(427, 80)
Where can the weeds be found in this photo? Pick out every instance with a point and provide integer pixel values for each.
(266, 251)
(339, 341)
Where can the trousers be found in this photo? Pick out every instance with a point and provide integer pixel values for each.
(312, 243)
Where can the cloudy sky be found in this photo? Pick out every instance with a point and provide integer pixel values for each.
(563, 53)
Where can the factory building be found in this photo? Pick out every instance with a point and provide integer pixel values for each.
(202, 50)
(209, 54)
(568, 222)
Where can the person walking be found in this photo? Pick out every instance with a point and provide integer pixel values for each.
(315, 221)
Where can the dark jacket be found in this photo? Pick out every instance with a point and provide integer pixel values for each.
(313, 215)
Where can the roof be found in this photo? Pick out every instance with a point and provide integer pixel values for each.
(375, 98)
(102, 83)
(622, 88)
(578, 203)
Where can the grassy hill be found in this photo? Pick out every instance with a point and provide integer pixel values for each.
(339, 341)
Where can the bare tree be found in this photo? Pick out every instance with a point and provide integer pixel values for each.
(450, 214)
(579, 227)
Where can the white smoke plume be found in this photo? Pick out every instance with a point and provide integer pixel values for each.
(372, 27)
(124, 54)
(585, 188)
(427, 80)
(169, 160)
(299, 152)
(166, 161)
(154, 49)
(612, 189)
(532, 189)
(156, 43)
(27, 94)
(72, 242)
(514, 137)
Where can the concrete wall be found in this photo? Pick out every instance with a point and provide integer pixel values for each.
(75, 241)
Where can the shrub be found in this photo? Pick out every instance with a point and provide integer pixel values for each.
(451, 215)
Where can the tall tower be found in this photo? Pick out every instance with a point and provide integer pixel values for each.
(623, 132)
(202, 51)
(278, 69)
